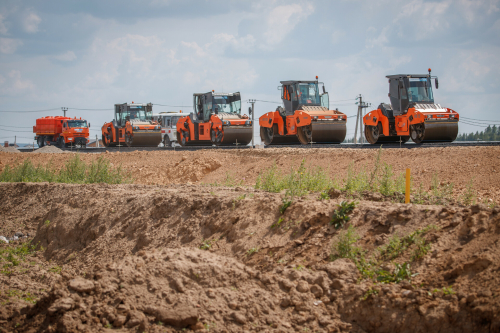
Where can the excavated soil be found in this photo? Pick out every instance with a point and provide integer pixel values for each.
(165, 258)
(457, 165)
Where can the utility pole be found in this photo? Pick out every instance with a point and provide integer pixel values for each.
(253, 118)
(96, 141)
(359, 119)
(64, 109)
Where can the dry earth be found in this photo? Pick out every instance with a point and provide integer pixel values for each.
(163, 258)
(457, 165)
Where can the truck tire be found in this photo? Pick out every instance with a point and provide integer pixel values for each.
(166, 141)
(60, 142)
(40, 141)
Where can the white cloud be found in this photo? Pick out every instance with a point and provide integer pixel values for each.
(3, 28)
(337, 36)
(9, 45)
(68, 56)
(282, 19)
(31, 22)
(14, 84)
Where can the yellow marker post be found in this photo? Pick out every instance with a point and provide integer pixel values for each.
(407, 194)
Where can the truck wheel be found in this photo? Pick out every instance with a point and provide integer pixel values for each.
(166, 141)
(40, 141)
(60, 142)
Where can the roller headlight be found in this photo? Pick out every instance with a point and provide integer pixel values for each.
(136, 128)
(226, 122)
(315, 118)
(248, 123)
(452, 116)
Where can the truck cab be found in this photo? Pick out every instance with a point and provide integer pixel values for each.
(168, 122)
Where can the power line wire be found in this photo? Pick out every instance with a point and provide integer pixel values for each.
(2, 129)
(34, 110)
(494, 121)
(16, 126)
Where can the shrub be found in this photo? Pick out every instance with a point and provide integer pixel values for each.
(340, 217)
(74, 171)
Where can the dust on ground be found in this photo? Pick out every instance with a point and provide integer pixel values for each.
(220, 259)
(457, 165)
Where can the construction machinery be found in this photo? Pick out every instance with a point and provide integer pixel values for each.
(61, 131)
(133, 125)
(306, 117)
(168, 122)
(216, 120)
(411, 114)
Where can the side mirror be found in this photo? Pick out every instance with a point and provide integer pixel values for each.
(324, 91)
(436, 83)
(250, 110)
(89, 125)
(216, 110)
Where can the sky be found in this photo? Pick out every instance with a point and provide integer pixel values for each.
(94, 54)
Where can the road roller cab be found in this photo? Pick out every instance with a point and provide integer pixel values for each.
(216, 120)
(412, 113)
(305, 116)
(133, 125)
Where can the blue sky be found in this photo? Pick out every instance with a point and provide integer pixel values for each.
(93, 54)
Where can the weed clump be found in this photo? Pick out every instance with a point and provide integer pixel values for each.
(75, 171)
(340, 216)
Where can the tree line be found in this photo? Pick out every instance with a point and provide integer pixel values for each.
(491, 133)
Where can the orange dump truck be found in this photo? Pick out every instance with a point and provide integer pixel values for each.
(61, 131)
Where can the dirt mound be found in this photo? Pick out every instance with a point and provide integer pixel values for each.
(200, 291)
(260, 268)
(9, 149)
(50, 149)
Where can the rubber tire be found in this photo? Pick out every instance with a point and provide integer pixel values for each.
(166, 141)
(418, 140)
(266, 135)
(104, 143)
(60, 142)
(128, 141)
(370, 136)
(40, 141)
(301, 134)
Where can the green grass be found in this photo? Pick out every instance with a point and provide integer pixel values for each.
(340, 216)
(380, 179)
(253, 250)
(400, 273)
(469, 196)
(369, 266)
(398, 245)
(74, 171)
(344, 246)
(298, 181)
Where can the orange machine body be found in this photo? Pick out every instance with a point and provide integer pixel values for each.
(216, 120)
(401, 125)
(412, 113)
(141, 131)
(61, 131)
(305, 116)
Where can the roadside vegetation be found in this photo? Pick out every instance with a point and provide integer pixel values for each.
(413, 247)
(75, 171)
(380, 179)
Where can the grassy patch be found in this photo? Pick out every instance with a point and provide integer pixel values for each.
(398, 245)
(400, 273)
(340, 216)
(74, 171)
(299, 182)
